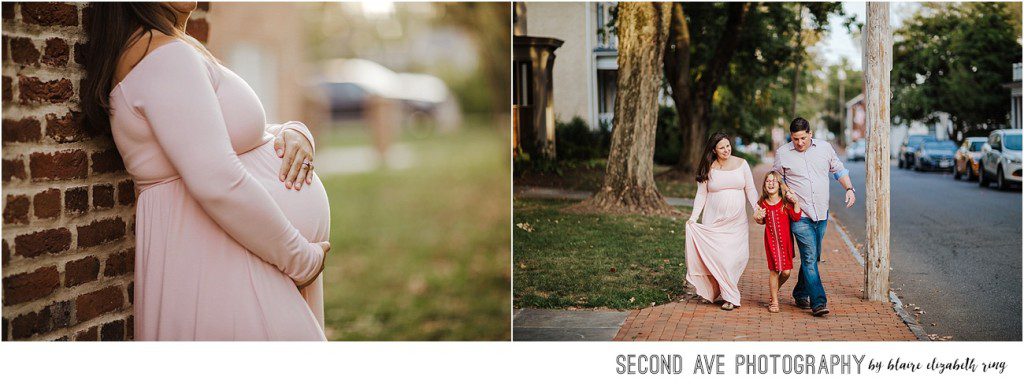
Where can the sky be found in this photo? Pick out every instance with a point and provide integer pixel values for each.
(839, 43)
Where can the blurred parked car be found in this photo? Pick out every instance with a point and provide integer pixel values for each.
(932, 155)
(1000, 159)
(965, 162)
(856, 151)
(909, 146)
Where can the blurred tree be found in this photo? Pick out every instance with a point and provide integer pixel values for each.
(724, 61)
(955, 58)
(629, 177)
(488, 23)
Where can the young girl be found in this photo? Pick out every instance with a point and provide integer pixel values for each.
(779, 208)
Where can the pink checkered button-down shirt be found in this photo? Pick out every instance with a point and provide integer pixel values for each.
(806, 173)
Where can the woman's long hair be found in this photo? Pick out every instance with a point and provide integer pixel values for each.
(709, 156)
(112, 29)
(783, 189)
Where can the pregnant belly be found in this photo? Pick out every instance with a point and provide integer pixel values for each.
(307, 209)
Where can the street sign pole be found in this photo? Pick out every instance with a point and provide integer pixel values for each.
(877, 64)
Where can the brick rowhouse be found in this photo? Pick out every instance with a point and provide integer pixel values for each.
(69, 205)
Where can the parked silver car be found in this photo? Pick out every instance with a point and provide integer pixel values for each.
(1000, 159)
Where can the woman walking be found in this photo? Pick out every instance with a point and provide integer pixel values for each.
(717, 248)
(228, 246)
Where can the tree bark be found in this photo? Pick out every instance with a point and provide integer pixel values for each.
(877, 66)
(693, 99)
(629, 177)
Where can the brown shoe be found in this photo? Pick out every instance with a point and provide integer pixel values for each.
(820, 311)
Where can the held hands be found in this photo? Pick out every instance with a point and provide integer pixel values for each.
(293, 147)
(850, 198)
(759, 215)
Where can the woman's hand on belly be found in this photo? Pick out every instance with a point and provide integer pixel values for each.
(297, 154)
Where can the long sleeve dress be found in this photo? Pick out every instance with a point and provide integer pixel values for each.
(717, 248)
(220, 241)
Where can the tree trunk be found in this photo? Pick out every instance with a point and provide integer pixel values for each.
(629, 177)
(693, 99)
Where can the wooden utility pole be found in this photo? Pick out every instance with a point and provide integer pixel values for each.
(877, 64)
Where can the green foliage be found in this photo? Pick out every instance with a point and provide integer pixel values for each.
(576, 141)
(668, 142)
(955, 58)
(756, 90)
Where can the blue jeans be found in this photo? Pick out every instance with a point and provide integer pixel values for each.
(808, 235)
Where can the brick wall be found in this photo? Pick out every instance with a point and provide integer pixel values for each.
(69, 205)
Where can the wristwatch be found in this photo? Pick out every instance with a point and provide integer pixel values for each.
(851, 189)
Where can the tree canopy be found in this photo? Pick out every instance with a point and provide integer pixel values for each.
(956, 58)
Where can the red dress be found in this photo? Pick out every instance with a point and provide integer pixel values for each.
(778, 243)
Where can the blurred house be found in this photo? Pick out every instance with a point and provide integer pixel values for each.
(267, 46)
(940, 127)
(1015, 98)
(584, 79)
(354, 87)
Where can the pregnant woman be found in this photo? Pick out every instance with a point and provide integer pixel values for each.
(717, 248)
(228, 247)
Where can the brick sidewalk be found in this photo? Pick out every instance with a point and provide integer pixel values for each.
(851, 318)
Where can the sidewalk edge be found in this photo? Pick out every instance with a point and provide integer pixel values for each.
(897, 304)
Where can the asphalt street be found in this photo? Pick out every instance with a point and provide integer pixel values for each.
(955, 250)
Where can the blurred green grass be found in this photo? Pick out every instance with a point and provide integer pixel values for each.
(423, 253)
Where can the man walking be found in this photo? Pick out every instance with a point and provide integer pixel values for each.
(805, 164)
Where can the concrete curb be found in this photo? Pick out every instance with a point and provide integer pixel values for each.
(897, 304)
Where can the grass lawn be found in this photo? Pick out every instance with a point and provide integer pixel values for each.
(422, 253)
(591, 260)
(588, 176)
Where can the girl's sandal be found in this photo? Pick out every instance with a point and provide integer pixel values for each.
(773, 307)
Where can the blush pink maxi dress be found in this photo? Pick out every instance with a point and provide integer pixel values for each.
(718, 247)
(220, 241)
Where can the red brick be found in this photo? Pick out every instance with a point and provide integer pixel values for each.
(56, 52)
(6, 253)
(80, 53)
(50, 14)
(8, 10)
(76, 200)
(198, 29)
(112, 331)
(31, 324)
(81, 271)
(131, 293)
(26, 130)
(91, 334)
(34, 90)
(14, 168)
(25, 287)
(16, 209)
(103, 196)
(126, 192)
(8, 91)
(130, 328)
(47, 203)
(67, 128)
(100, 231)
(120, 263)
(61, 165)
(96, 303)
(24, 51)
(46, 241)
(107, 161)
